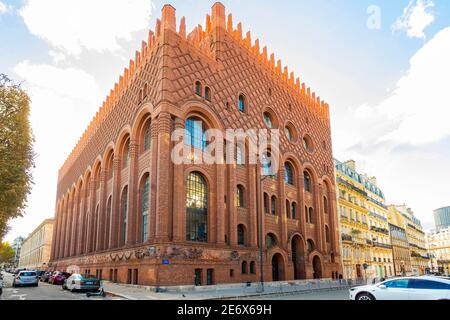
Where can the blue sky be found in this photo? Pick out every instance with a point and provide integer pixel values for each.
(69, 53)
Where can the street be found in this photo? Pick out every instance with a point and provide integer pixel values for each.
(44, 291)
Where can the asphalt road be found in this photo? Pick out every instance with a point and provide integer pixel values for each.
(44, 291)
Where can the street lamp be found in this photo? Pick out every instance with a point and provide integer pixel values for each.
(261, 212)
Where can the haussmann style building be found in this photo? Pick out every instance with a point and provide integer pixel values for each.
(36, 248)
(126, 212)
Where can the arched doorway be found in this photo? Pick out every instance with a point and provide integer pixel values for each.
(277, 267)
(298, 254)
(317, 268)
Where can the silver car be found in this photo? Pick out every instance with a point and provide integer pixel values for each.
(26, 278)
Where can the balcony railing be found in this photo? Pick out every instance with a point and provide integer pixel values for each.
(380, 230)
(347, 237)
(382, 245)
(376, 215)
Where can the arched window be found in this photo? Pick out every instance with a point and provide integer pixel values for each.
(325, 205)
(252, 267)
(288, 209)
(271, 241)
(311, 215)
(267, 163)
(288, 173)
(195, 133)
(310, 245)
(147, 137)
(307, 143)
(274, 205)
(327, 234)
(240, 155)
(294, 210)
(208, 93)
(196, 208)
(268, 120)
(145, 90)
(124, 211)
(241, 235)
(126, 154)
(145, 192)
(240, 196)
(266, 203)
(108, 220)
(307, 181)
(198, 88)
(242, 103)
(244, 267)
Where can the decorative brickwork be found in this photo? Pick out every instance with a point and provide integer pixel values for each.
(109, 163)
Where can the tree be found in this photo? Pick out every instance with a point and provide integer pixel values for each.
(6, 253)
(16, 152)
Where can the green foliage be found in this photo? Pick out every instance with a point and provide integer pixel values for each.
(16, 151)
(6, 253)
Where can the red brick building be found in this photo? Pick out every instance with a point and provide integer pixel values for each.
(126, 212)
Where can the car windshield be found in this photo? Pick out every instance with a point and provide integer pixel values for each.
(28, 274)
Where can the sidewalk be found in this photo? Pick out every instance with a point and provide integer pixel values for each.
(131, 292)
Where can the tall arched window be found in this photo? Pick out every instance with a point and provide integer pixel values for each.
(325, 205)
(252, 267)
(288, 173)
(124, 211)
(274, 205)
(240, 155)
(242, 103)
(208, 93)
(195, 133)
(288, 209)
(307, 181)
(241, 235)
(327, 234)
(240, 196)
(244, 267)
(147, 137)
(294, 210)
(196, 208)
(145, 192)
(311, 246)
(126, 154)
(268, 120)
(108, 220)
(311, 215)
(266, 203)
(198, 88)
(267, 163)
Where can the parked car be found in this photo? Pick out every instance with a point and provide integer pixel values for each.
(46, 276)
(1, 285)
(18, 270)
(81, 282)
(58, 278)
(406, 288)
(26, 278)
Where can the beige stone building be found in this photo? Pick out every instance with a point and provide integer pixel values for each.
(415, 236)
(438, 244)
(36, 249)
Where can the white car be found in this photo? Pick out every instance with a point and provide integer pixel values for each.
(407, 288)
(81, 282)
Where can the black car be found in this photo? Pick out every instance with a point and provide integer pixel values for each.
(40, 273)
(46, 276)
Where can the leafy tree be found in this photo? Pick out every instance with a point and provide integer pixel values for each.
(6, 253)
(16, 151)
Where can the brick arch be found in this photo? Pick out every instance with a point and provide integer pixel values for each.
(274, 116)
(203, 111)
(307, 166)
(297, 234)
(143, 116)
(123, 135)
(109, 148)
(282, 259)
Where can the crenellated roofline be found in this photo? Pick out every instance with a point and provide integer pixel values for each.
(197, 38)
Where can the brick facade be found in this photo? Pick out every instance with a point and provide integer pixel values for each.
(159, 90)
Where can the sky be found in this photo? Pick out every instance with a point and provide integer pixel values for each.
(382, 65)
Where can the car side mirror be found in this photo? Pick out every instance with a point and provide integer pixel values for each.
(382, 286)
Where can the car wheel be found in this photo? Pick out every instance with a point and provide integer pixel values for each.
(365, 297)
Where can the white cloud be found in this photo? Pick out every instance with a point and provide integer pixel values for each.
(63, 101)
(415, 19)
(76, 25)
(4, 8)
(418, 109)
